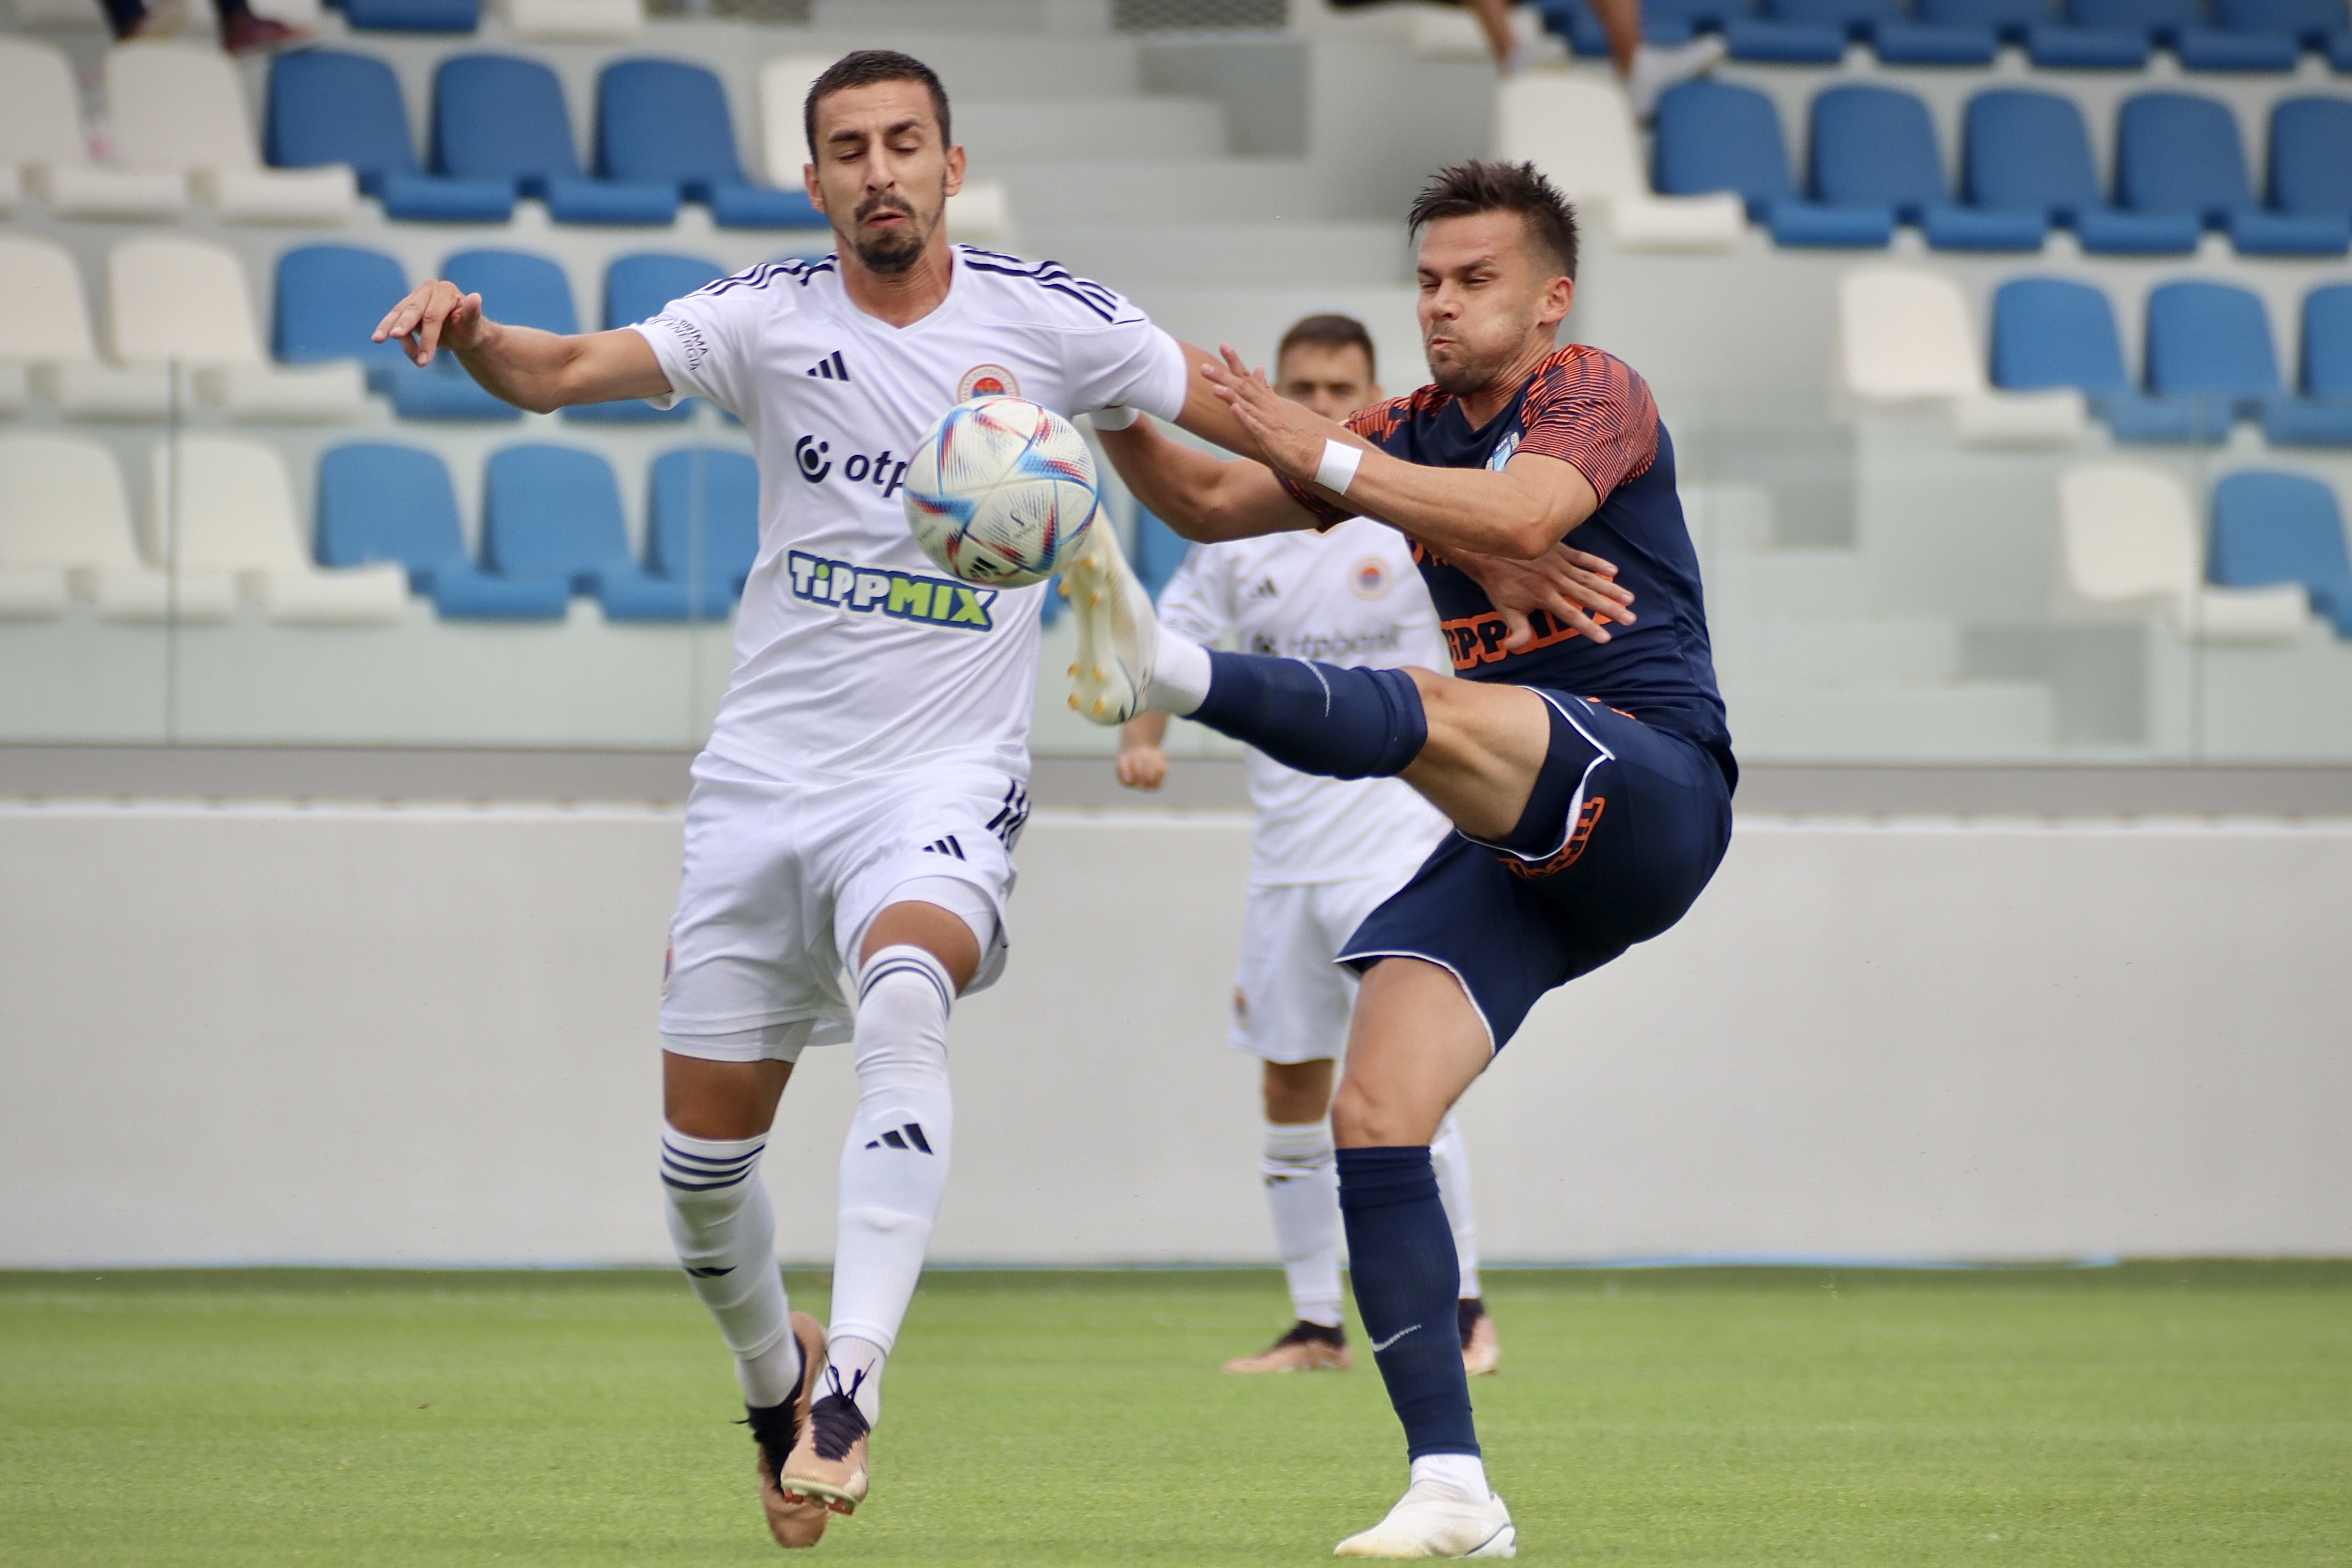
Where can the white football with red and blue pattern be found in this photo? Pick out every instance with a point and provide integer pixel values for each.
(1001, 490)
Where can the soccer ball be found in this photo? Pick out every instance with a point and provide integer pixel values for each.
(1002, 491)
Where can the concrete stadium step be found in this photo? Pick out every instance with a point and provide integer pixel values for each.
(1267, 255)
(1971, 719)
(1094, 128)
(1109, 191)
(1838, 653)
(1789, 584)
(978, 67)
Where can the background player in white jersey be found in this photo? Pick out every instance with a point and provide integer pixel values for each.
(1323, 852)
(858, 802)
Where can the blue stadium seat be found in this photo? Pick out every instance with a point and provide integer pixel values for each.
(2176, 152)
(705, 523)
(523, 289)
(2030, 150)
(664, 122)
(2313, 24)
(2321, 414)
(2270, 528)
(330, 106)
(496, 117)
(1806, 32)
(381, 502)
(2162, 20)
(1664, 22)
(2327, 342)
(328, 302)
(1713, 136)
(555, 511)
(1873, 146)
(2052, 333)
(2011, 20)
(2211, 342)
(2310, 156)
(413, 16)
(1955, 32)
(638, 287)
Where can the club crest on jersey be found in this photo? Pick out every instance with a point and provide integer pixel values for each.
(881, 590)
(1369, 577)
(987, 381)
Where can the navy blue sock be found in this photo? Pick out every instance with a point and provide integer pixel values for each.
(1401, 1257)
(1337, 722)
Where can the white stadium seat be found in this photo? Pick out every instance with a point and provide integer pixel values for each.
(1905, 336)
(785, 81)
(41, 136)
(575, 21)
(182, 107)
(2131, 534)
(233, 506)
(64, 515)
(1579, 132)
(45, 328)
(184, 300)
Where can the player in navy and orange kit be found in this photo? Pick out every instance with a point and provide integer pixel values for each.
(1583, 759)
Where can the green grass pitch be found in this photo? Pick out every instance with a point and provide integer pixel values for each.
(2156, 1414)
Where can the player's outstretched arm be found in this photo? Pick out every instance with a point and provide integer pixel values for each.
(538, 370)
(1202, 496)
(1518, 513)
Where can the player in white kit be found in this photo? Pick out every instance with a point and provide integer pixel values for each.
(1324, 853)
(858, 802)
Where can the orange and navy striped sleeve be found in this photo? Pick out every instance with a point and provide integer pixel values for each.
(1589, 410)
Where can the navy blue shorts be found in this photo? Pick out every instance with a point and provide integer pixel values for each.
(1626, 825)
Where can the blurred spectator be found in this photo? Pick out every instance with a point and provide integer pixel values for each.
(241, 32)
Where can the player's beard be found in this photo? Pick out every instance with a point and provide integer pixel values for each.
(1466, 374)
(894, 251)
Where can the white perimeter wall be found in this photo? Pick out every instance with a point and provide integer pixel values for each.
(426, 1036)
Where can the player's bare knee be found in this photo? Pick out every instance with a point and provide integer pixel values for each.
(1364, 1117)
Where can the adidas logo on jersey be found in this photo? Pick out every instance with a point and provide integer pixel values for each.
(901, 595)
(909, 1136)
(1264, 587)
(832, 368)
(947, 846)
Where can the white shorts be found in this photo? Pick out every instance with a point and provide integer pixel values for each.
(1291, 1002)
(782, 877)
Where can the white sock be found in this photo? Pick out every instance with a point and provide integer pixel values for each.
(1180, 675)
(1451, 1157)
(894, 1164)
(724, 1228)
(1302, 1192)
(854, 1366)
(1465, 1473)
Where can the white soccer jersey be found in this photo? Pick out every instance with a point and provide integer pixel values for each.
(1350, 596)
(852, 652)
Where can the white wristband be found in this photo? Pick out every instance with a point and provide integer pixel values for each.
(1116, 418)
(1338, 469)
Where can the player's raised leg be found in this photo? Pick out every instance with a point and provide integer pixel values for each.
(1473, 750)
(913, 960)
(721, 1221)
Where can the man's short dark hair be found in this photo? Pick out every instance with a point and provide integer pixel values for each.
(1480, 186)
(863, 67)
(1333, 332)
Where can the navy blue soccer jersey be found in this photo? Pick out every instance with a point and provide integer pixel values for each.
(1590, 409)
